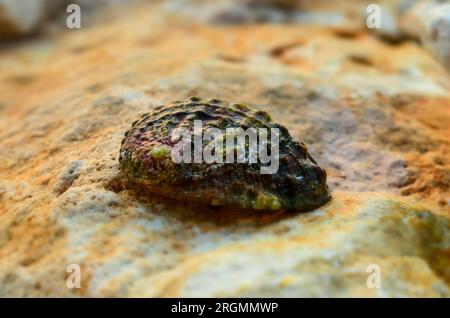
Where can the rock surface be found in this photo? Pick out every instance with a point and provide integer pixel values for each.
(375, 116)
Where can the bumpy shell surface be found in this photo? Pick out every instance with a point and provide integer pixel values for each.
(145, 158)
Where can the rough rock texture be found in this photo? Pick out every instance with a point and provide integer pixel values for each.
(375, 116)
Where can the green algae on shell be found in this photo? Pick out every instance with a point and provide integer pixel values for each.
(145, 158)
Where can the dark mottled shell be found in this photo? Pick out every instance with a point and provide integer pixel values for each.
(299, 184)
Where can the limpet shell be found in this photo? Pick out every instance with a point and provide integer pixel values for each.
(146, 159)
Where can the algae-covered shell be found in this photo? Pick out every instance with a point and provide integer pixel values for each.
(147, 159)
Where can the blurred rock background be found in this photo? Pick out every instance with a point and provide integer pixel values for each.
(428, 20)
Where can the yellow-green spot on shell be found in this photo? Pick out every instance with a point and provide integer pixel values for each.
(160, 152)
(266, 201)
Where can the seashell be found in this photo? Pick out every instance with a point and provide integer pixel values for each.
(160, 154)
